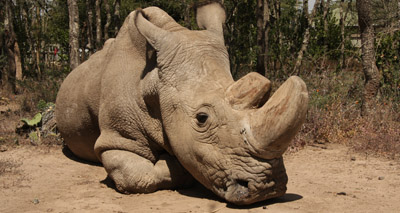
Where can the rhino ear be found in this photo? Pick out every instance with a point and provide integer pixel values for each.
(211, 16)
(151, 32)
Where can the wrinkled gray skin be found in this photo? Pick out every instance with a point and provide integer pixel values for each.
(158, 102)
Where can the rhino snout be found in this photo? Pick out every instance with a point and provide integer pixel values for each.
(237, 191)
(248, 188)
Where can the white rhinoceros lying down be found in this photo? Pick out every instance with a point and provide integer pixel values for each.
(158, 106)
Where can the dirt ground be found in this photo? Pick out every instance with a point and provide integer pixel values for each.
(321, 179)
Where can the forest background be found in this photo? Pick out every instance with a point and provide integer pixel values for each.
(347, 52)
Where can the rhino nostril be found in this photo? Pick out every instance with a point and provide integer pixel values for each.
(243, 183)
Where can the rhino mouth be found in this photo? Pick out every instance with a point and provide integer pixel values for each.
(246, 188)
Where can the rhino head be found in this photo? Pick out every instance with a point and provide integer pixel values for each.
(229, 135)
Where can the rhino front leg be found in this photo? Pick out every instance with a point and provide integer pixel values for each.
(134, 174)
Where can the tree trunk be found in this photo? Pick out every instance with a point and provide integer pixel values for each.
(306, 39)
(38, 41)
(260, 38)
(18, 67)
(73, 33)
(30, 41)
(117, 17)
(108, 21)
(267, 28)
(8, 72)
(371, 72)
(325, 6)
(305, 9)
(83, 41)
(99, 44)
(89, 25)
(342, 28)
(276, 13)
(278, 18)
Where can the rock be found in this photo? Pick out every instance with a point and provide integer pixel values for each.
(35, 201)
(341, 193)
(381, 178)
(353, 158)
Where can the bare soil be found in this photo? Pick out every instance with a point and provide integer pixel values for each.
(321, 179)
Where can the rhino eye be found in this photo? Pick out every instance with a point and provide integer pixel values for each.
(201, 117)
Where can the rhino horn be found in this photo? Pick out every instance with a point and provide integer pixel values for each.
(211, 16)
(275, 124)
(251, 91)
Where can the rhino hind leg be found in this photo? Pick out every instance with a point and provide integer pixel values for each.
(132, 173)
(82, 146)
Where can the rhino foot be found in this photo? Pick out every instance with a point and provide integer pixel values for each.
(135, 174)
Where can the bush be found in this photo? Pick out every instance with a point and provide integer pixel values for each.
(334, 116)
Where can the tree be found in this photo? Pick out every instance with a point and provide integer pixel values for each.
(99, 43)
(73, 33)
(260, 37)
(12, 69)
(117, 16)
(108, 21)
(89, 25)
(306, 38)
(371, 72)
(263, 27)
(342, 27)
(325, 6)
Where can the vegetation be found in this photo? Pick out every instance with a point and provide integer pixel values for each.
(350, 64)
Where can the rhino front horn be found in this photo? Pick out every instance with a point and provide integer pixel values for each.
(275, 124)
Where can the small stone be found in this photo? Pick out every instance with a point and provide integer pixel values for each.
(341, 193)
(35, 201)
(381, 178)
(264, 207)
(353, 158)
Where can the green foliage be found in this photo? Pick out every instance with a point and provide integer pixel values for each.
(287, 24)
(240, 36)
(34, 121)
(57, 30)
(319, 38)
(388, 62)
(42, 105)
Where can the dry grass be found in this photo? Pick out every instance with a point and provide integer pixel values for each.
(334, 116)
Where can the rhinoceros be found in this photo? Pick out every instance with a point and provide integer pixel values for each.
(158, 106)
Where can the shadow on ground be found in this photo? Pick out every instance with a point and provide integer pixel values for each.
(264, 204)
(199, 191)
(69, 154)
(196, 191)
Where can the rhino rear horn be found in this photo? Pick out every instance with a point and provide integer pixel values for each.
(211, 16)
(251, 91)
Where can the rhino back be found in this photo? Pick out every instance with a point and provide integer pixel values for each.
(123, 108)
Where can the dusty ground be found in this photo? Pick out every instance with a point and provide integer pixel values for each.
(321, 179)
(328, 179)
